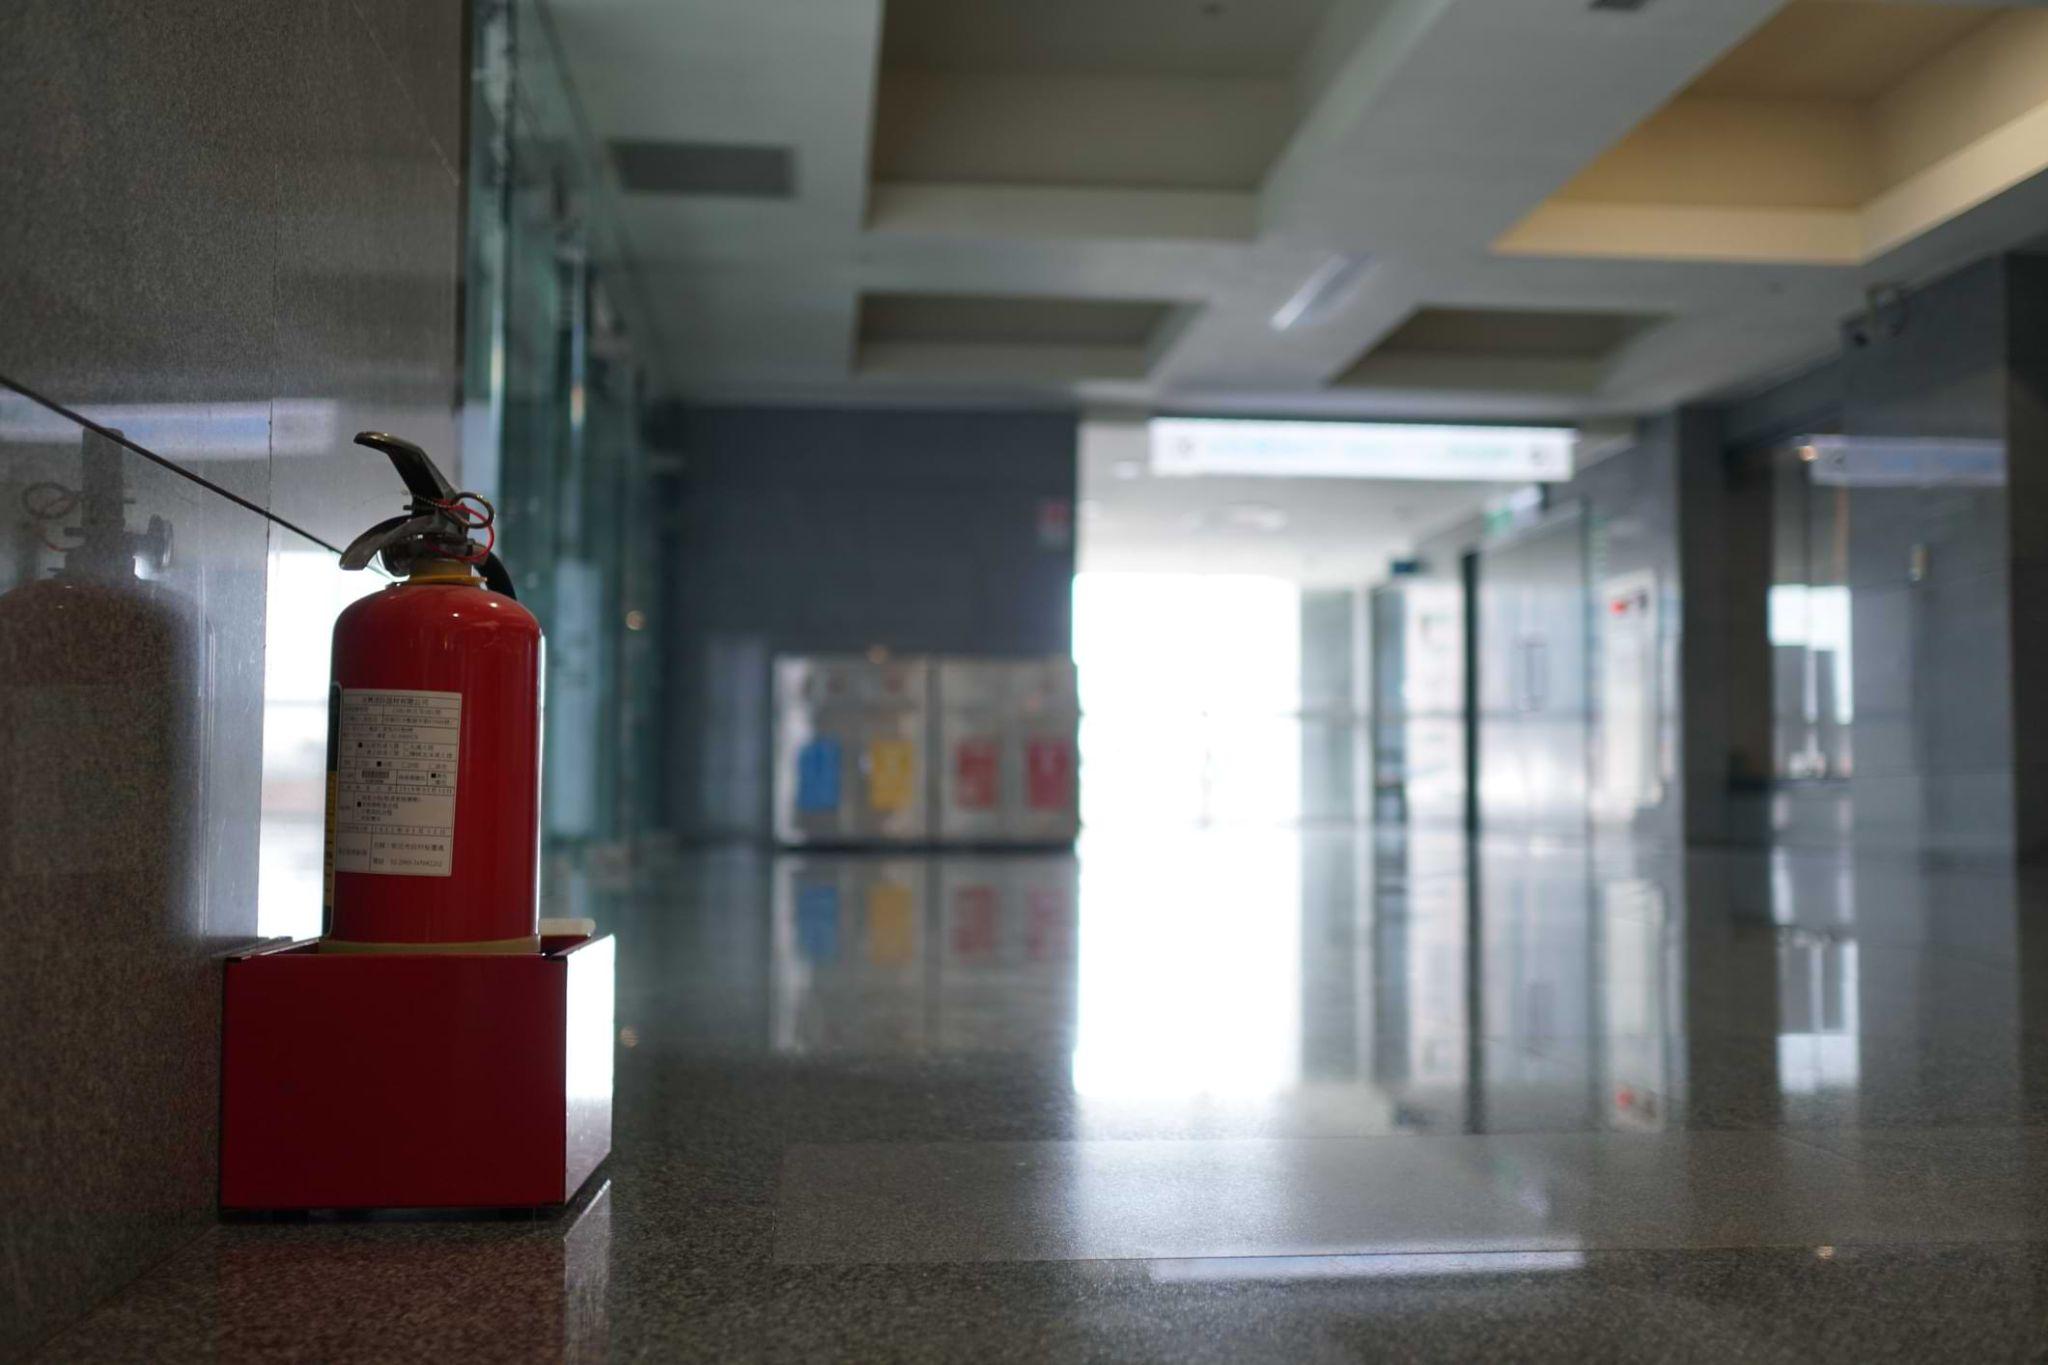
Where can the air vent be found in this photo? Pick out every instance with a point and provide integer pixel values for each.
(721, 169)
(1624, 5)
(987, 320)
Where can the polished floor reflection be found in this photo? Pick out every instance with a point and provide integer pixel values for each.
(1266, 1094)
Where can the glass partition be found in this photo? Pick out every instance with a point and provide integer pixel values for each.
(1812, 686)
(552, 408)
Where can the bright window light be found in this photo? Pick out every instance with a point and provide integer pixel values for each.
(305, 593)
(1190, 940)
(1190, 694)
(1820, 1000)
(1818, 619)
(1190, 969)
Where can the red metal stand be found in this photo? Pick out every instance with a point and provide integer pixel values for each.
(404, 1080)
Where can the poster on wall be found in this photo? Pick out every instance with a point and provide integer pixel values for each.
(1627, 774)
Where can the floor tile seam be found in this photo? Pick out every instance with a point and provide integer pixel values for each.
(1983, 1201)
(778, 1261)
(1793, 1137)
(1952, 954)
(1953, 1130)
(2005, 964)
(1306, 1139)
(156, 1266)
(1966, 1032)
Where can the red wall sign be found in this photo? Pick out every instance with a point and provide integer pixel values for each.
(1048, 774)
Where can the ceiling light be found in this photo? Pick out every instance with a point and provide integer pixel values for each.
(1905, 461)
(1328, 288)
(1228, 447)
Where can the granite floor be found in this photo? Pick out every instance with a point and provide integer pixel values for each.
(1239, 1096)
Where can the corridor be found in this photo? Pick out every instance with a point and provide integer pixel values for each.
(1024, 680)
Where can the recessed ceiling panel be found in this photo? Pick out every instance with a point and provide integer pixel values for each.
(1836, 132)
(1141, 95)
(980, 320)
(1496, 350)
(1839, 49)
(1102, 37)
(1185, 133)
(1489, 332)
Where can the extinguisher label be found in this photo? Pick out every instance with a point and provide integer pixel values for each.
(394, 782)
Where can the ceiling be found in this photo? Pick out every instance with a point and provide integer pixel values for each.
(1841, 133)
(1106, 202)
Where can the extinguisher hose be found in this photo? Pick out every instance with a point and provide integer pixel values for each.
(472, 519)
(481, 517)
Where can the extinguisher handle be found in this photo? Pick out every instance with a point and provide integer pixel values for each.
(378, 538)
(423, 479)
(433, 526)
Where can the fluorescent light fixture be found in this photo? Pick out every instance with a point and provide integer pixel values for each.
(1328, 287)
(1199, 446)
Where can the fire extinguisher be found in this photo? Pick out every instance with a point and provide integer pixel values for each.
(433, 736)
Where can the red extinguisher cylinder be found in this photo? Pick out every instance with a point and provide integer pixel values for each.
(434, 736)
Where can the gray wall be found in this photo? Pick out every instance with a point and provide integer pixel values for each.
(2026, 408)
(233, 231)
(821, 530)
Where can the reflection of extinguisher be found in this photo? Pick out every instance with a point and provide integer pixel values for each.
(99, 727)
(433, 731)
